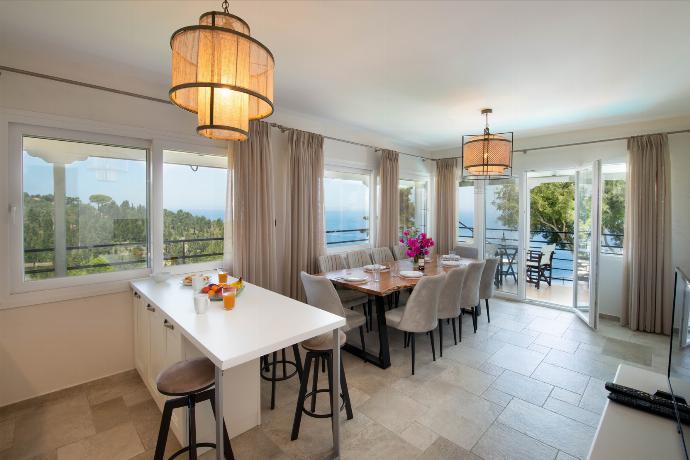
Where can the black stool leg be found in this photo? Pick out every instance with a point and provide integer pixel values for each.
(192, 427)
(273, 379)
(474, 319)
(328, 358)
(346, 393)
(433, 350)
(314, 383)
(282, 354)
(229, 455)
(301, 396)
(440, 337)
(163, 431)
(298, 360)
(455, 334)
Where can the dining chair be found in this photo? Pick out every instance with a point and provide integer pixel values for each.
(382, 255)
(469, 298)
(359, 258)
(349, 297)
(420, 315)
(467, 252)
(322, 294)
(448, 302)
(487, 285)
(400, 252)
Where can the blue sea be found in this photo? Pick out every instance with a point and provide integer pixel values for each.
(346, 227)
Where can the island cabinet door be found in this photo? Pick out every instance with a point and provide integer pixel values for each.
(141, 334)
(157, 350)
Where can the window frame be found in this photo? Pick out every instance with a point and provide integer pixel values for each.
(373, 206)
(428, 205)
(477, 211)
(17, 283)
(602, 251)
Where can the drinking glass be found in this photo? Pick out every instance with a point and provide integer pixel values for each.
(229, 298)
(197, 283)
(377, 274)
(222, 277)
(200, 303)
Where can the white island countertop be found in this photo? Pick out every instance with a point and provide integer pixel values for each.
(261, 322)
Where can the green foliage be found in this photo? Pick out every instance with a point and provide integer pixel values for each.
(613, 212)
(407, 208)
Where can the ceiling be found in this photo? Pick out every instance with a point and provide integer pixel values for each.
(415, 72)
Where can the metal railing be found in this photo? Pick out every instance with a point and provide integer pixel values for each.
(363, 231)
(105, 249)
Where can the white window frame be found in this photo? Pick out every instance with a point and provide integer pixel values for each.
(478, 196)
(158, 264)
(427, 180)
(340, 167)
(18, 284)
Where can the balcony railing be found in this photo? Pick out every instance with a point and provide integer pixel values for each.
(354, 238)
(186, 254)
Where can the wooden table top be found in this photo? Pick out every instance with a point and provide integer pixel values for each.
(390, 281)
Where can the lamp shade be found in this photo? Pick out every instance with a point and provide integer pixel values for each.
(222, 74)
(488, 154)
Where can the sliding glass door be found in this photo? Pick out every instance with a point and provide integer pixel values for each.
(501, 231)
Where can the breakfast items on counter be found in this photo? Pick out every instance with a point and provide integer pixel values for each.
(215, 290)
(187, 280)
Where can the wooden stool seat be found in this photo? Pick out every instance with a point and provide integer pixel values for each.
(186, 377)
(323, 342)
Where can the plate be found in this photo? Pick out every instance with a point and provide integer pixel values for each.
(411, 274)
(355, 279)
(451, 263)
(379, 267)
(187, 280)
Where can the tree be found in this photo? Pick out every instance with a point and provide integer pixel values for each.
(613, 212)
(100, 200)
(407, 208)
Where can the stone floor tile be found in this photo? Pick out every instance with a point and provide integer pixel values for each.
(561, 377)
(516, 359)
(109, 414)
(572, 411)
(468, 378)
(557, 343)
(497, 397)
(377, 442)
(443, 449)
(595, 396)
(628, 351)
(523, 387)
(539, 348)
(6, 433)
(582, 363)
(393, 410)
(514, 338)
(501, 442)
(563, 456)
(567, 396)
(419, 436)
(118, 443)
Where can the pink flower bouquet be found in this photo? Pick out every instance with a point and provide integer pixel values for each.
(417, 244)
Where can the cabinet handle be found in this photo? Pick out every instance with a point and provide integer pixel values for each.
(150, 308)
(136, 294)
(168, 325)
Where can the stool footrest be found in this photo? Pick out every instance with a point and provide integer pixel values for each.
(186, 448)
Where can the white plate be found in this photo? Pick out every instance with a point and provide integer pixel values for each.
(355, 279)
(369, 268)
(411, 274)
(451, 263)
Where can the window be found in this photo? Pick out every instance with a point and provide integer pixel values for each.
(347, 207)
(413, 204)
(612, 208)
(84, 208)
(194, 190)
(465, 200)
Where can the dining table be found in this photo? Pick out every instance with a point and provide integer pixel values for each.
(390, 281)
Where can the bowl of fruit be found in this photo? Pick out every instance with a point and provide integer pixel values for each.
(215, 290)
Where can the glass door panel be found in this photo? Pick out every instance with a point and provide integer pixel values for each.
(501, 235)
(586, 252)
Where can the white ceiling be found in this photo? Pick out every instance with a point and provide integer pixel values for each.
(416, 72)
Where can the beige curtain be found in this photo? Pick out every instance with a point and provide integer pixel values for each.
(304, 214)
(446, 207)
(251, 194)
(389, 217)
(647, 241)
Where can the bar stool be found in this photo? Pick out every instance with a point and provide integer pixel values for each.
(268, 369)
(320, 348)
(192, 381)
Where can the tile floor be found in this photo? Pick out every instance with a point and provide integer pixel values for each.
(529, 385)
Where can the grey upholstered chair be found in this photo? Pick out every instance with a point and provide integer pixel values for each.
(321, 294)
(382, 255)
(421, 312)
(467, 252)
(487, 285)
(358, 258)
(349, 297)
(469, 298)
(448, 302)
(399, 252)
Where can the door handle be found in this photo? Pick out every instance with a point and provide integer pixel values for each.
(150, 308)
(168, 325)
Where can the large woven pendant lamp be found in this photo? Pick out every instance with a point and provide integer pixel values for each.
(222, 74)
(487, 156)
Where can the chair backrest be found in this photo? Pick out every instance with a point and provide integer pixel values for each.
(487, 284)
(450, 293)
(467, 252)
(382, 255)
(490, 250)
(547, 254)
(358, 258)
(421, 312)
(470, 288)
(331, 263)
(321, 294)
(400, 252)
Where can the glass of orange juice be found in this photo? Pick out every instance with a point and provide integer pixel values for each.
(229, 295)
(222, 277)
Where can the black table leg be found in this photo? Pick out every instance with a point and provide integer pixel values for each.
(383, 360)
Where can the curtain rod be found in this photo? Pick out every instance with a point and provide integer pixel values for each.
(165, 101)
(283, 128)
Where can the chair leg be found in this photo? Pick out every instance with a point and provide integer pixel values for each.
(488, 315)
(301, 397)
(191, 427)
(163, 431)
(474, 319)
(412, 346)
(345, 391)
(229, 455)
(404, 339)
(273, 379)
(366, 316)
(460, 327)
(440, 338)
(314, 384)
(433, 350)
(361, 338)
(282, 354)
(455, 334)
